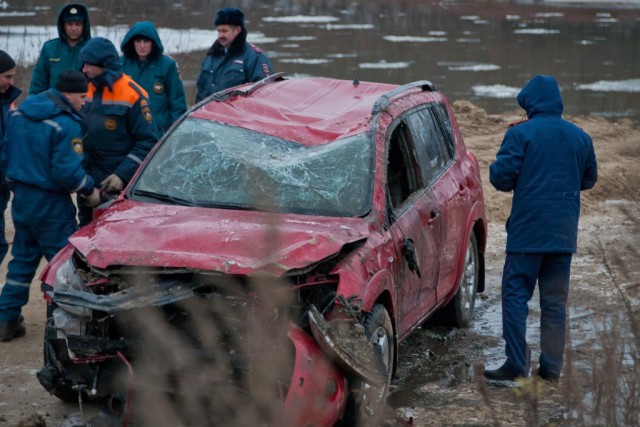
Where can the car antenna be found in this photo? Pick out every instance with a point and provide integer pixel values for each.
(356, 82)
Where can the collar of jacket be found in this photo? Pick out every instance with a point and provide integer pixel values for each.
(237, 45)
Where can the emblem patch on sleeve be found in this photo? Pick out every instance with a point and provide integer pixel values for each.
(146, 113)
(158, 87)
(110, 124)
(76, 144)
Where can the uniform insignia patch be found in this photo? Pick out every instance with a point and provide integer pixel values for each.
(255, 48)
(158, 87)
(76, 144)
(73, 10)
(110, 124)
(143, 102)
(265, 69)
(146, 113)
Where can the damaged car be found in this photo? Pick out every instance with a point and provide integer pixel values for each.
(268, 257)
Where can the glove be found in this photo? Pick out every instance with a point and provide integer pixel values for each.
(93, 199)
(112, 184)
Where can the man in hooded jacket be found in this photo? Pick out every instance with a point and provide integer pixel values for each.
(120, 129)
(43, 148)
(231, 60)
(143, 60)
(546, 161)
(62, 53)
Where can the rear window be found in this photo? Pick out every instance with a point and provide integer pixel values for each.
(209, 164)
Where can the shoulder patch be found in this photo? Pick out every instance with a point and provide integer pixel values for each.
(517, 123)
(76, 144)
(255, 48)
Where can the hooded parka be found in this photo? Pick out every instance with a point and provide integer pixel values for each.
(57, 55)
(158, 75)
(546, 161)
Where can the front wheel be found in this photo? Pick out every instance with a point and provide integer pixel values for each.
(459, 310)
(366, 402)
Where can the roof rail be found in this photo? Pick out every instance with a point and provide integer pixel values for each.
(225, 94)
(384, 100)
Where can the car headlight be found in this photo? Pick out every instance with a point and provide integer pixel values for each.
(67, 277)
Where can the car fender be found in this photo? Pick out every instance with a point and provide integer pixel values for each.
(48, 274)
(380, 286)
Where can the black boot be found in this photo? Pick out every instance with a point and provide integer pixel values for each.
(10, 329)
(503, 373)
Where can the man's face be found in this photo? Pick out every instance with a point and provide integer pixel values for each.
(227, 33)
(6, 80)
(91, 70)
(76, 99)
(73, 30)
(143, 46)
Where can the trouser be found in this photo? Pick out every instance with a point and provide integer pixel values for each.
(521, 271)
(4, 200)
(43, 222)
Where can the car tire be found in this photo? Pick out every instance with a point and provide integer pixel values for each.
(366, 403)
(459, 311)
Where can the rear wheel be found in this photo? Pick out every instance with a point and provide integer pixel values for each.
(459, 310)
(366, 402)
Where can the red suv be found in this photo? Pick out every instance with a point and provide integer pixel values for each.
(269, 256)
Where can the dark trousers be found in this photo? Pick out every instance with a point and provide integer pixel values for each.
(521, 272)
(43, 222)
(4, 200)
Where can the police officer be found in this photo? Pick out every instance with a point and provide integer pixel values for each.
(43, 147)
(60, 54)
(231, 60)
(546, 161)
(118, 121)
(143, 60)
(8, 94)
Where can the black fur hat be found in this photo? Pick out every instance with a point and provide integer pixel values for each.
(229, 16)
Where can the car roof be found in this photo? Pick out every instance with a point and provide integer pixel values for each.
(310, 111)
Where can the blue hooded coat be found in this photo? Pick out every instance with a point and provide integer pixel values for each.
(57, 55)
(158, 75)
(546, 161)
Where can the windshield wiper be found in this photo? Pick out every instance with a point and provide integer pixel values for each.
(164, 197)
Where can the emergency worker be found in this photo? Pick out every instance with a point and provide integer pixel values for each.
(143, 60)
(43, 147)
(118, 121)
(546, 161)
(62, 53)
(231, 60)
(8, 94)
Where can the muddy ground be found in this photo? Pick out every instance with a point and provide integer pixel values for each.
(437, 382)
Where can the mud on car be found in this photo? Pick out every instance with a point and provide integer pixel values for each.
(268, 257)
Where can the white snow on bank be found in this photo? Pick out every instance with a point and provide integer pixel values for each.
(305, 61)
(384, 65)
(333, 27)
(23, 42)
(414, 39)
(631, 85)
(301, 19)
(495, 91)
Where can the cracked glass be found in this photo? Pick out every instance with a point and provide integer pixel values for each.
(210, 164)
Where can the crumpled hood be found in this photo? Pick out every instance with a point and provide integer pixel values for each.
(142, 29)
(41, 107)
(541, 95)
(229, 241)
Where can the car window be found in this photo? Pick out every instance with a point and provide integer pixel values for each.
(210, 164)
(433, 142)
(402, 175)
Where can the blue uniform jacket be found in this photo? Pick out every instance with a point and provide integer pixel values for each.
(6, 101)
(241, 63)
(57, 55)
(546, 161)
(43, 145)
(158, 75)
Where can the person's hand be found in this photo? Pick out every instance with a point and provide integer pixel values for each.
(112, 184)
(93, 199)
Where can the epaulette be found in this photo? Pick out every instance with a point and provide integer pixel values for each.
(255, 48)
(517, 123)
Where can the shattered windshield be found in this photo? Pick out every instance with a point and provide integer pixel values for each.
(210, 164)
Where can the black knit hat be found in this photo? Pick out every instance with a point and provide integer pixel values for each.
(72, 81)
(74, 14)
(6, 62)
(229, 16)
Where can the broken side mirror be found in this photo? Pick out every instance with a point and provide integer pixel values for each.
(410, 256)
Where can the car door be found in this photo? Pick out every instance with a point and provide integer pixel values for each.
(415, 225)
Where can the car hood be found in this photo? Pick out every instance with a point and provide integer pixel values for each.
(131, 233)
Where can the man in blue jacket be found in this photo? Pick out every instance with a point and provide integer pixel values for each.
(546, 162)
(8, 94)
(143, 60)
(60, 54)
(231, 60)
(43, 147)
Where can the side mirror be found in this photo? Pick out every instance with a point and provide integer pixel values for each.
(410, 256)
